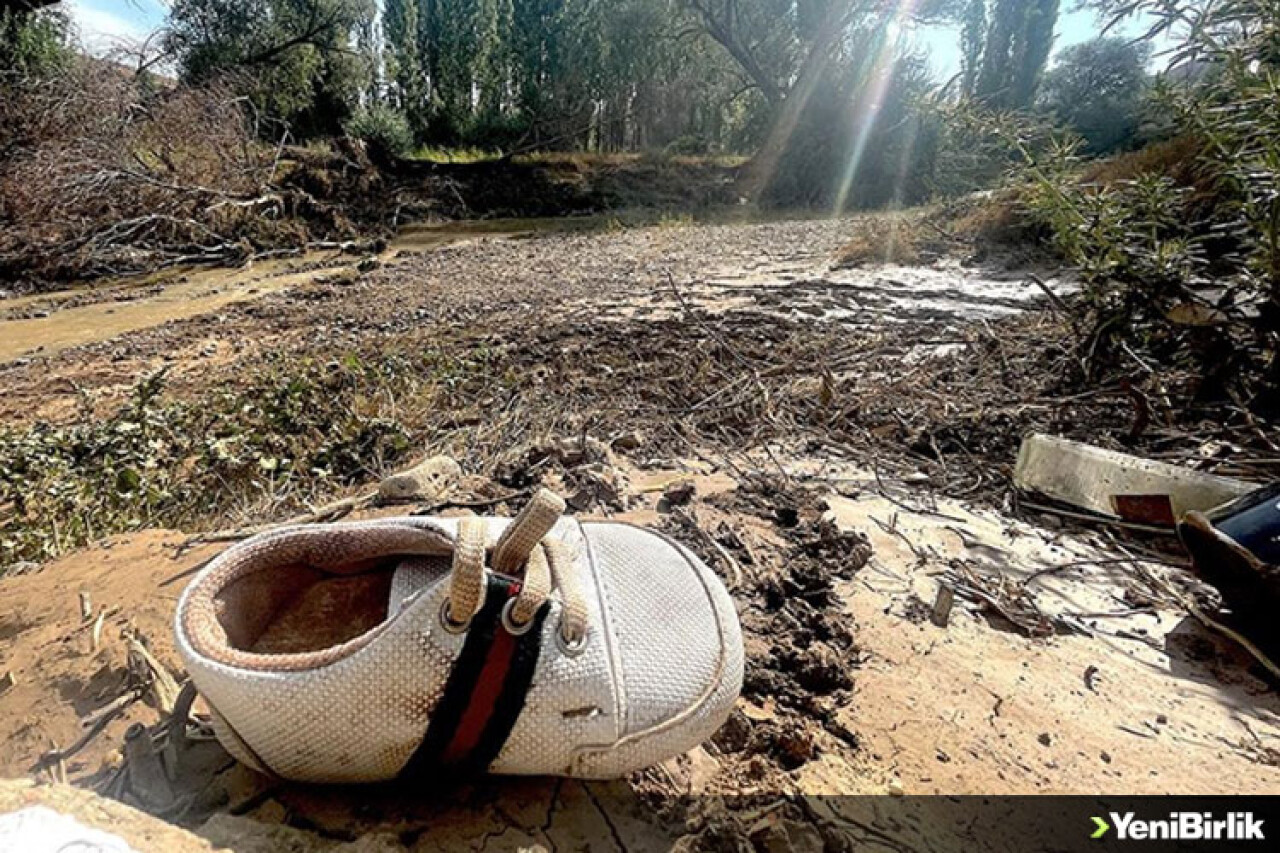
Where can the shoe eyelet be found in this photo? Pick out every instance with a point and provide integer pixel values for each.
(570, 648)
(512, 627)
(446, 620)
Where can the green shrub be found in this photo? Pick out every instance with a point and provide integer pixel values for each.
(384, 130)
(689, 145)
(32, 44)
(293, 431)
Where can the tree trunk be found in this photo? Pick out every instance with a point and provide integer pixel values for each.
(1033, 50)
(786, 113)
(996, 77)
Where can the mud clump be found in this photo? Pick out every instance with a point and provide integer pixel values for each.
(801, 663)
(801, 655)
(811, 653)
(790, 827)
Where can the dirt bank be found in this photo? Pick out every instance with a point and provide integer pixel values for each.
(299, 200)
(1113, 699)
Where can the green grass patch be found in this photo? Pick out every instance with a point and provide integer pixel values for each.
(296, 433)
(439, 154)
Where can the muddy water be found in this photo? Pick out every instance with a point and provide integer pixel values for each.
(201, 292)
(47, 323)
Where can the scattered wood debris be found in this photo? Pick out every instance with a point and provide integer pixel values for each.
(149, 675)
(942, 604)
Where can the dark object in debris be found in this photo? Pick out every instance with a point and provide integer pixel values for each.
(145, 772)
(679, 494)
(1236, 547)
(632, 440)
(594, 485)
(1145, 509)
(1249, 525)
(786, 516)
(942, 606)
(794, 747)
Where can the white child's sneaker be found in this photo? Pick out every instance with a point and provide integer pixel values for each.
(543, 645)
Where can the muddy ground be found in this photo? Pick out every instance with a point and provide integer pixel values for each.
(620, 363)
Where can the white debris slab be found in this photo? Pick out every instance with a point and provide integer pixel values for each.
(40, 829)
(1093, 478)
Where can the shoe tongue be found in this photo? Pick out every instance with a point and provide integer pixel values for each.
(412, 576)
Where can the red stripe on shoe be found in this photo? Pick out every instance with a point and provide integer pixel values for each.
(488, 687)
(485, 692)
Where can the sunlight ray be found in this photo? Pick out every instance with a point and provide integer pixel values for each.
(877, 79)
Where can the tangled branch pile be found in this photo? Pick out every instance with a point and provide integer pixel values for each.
(103, 172)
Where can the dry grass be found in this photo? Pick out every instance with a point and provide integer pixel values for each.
(891, 238)
(995, 222)
(1175, 158)
(975, 227)
(439, 154)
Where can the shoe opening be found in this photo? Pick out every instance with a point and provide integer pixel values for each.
(302, 609)
(303, 598)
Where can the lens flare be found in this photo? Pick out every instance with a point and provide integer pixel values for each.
(877, 75)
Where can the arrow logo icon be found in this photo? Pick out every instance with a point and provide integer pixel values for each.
(1102, 827)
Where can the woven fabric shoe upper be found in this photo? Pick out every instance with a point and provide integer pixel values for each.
(658, 673)
(675, 647)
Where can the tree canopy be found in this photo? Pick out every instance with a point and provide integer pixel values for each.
(1097, 88)
(298, 59)
(823, 95)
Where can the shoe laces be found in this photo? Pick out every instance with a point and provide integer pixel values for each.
(543, 564)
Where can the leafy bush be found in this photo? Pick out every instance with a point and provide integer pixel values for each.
(384, 130)
(689, 145)
(1179, 246)
(1097, 89)
(32, 44)
(289, 433)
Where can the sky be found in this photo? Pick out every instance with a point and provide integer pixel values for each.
(105, 24)
(1074, 26)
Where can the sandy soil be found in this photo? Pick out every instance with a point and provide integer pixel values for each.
(974, 707)
(1083, 676)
